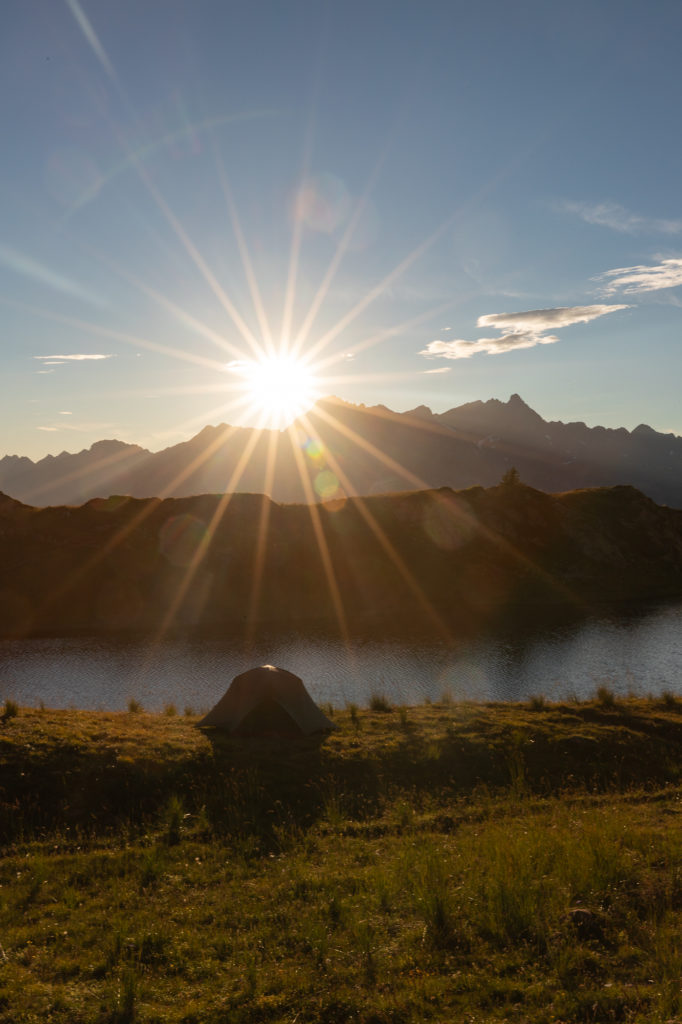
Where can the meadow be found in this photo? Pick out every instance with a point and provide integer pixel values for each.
(444, 862)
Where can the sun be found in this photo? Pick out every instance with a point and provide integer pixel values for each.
(278, 388)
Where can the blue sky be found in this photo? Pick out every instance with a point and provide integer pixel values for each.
(456, 201)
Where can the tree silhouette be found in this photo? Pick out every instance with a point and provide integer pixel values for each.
(511, 478)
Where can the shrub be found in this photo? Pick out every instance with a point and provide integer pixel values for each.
(134, 706)
(606, 697)
(536, 702)
(377, 702)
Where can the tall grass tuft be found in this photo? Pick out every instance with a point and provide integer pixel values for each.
(432, 890)
(134, 706)
(125, 1011)
(151, 868)
(363, 933)
(11, 710)
(173, 815)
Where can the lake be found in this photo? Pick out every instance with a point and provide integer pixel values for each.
(639, 654)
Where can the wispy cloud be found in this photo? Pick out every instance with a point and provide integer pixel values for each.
(642, 278)
(519, 330)
(85, 427)
(618, 218)
(458, 348)
(73, 357)
(438, 369)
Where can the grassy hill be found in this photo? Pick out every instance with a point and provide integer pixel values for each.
(440, 561)
(447, 862)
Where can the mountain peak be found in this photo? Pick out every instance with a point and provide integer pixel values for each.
(644, 430)
(110, 446)
(421, 412)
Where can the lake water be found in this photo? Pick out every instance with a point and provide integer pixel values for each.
(639, 654)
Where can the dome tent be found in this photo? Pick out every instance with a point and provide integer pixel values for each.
(267, 701)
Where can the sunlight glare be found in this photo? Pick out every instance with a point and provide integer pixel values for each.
(279, 388)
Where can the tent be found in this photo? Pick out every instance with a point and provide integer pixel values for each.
(267, 701)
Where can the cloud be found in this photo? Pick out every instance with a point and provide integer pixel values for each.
(536, 321)
(460, 349)
(520, 330)
(49, 429)
(75, 357)
(618, 218)
(438, 369)
(642, 278)
(65, 413)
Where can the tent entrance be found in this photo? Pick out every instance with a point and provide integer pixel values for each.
(268, 718)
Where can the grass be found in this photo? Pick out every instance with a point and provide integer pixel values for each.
(488, 863)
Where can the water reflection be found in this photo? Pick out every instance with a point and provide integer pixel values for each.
(635, 655)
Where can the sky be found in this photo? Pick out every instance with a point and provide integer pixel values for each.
(426, 203)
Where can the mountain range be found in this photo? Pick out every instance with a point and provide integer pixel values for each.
(342, 449)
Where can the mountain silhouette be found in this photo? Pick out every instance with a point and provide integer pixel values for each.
(446, 562)
(340, 448)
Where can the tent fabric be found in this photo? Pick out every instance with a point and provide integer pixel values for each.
(266, 701)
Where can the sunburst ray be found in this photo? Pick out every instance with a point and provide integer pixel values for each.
(325, 557)
(261, 545)
(380, 535)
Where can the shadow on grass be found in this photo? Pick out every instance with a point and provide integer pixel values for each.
(261, 793)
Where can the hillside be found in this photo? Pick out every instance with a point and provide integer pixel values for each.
(343, 448)
(437, 560)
